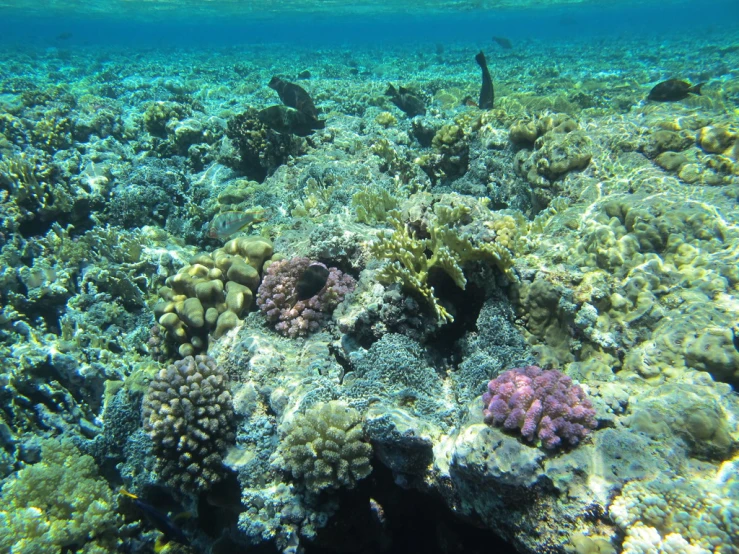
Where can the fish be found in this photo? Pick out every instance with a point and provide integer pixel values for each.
(503, 42)
(294, 96)
(404, 99)
(487, 93)
(160, 520)
(312, 280)
(673, 90)
(226, 224)
(289, 121)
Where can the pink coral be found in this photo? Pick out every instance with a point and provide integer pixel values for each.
(542, 404)
(277, 297)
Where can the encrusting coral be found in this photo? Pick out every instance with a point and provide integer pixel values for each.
(188, 414)
(324, 447)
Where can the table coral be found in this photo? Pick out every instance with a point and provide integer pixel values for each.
(278, 297)
(541, 403)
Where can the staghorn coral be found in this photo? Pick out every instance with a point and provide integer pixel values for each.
(57, 505)
(324, 447)
(188, 414)
(540, 403)
(278, 297)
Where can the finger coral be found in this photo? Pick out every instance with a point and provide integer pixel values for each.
(279, 299)
(324, 447)
(188, 414)
(542, 404)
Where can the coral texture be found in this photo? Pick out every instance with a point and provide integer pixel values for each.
(188, 414)
(207, 297)
(278, 297)
(324, 447)
(543, 404)
(58, 504)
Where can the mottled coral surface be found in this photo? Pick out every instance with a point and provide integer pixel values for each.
(278, 297)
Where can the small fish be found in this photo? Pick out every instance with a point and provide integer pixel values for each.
(64, 36)
(411, 104)
(312, 280)
(503, 42)
(226, 224)
(160, 520)
(673, 90)
(487, 94)
(294, 96)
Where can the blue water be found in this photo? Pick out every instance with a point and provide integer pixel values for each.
(696, 19)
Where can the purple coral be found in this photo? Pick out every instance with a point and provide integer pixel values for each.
(541, 403)
(278, 297)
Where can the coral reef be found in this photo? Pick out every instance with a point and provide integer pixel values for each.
(280, 300)
(188, 414)
(323, 448)
(211, 293)
(58, 503)
(542, 404)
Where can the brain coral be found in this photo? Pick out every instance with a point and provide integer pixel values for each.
(324, 447)
(279, 300)
(541, 403)
(188, 414)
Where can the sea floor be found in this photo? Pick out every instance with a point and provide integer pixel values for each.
(395, 265)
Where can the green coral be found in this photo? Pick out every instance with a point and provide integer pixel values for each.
(372, 204)
(410, 259)
(58, 505)
(324, 447)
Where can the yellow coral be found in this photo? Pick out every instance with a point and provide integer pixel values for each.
(408, 262)
(57, 503)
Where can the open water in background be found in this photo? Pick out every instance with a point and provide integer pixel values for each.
(145, 26)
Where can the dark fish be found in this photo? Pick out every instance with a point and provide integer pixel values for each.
(503, 42)
(673, 90)
(289, 121)
(158, 519)
(311, 281)
(487, 94)
(411, 104)
(64, 36)
(294, 96)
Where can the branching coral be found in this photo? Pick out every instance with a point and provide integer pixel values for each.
(542, 404)
(324, 447)
(280, 301)
(58, 504)
(408, 261)
(188, 414)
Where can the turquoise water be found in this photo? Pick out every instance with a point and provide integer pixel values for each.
(272, 280)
